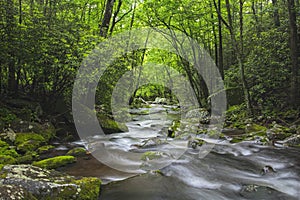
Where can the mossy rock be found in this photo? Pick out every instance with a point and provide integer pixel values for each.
(46, 130)
(55, 162)
(8, 155)
(293, 140)
(45, 149)
(6, 159)
(255, 129)
(3, 144)
(15, 192)
(77, 151)
(29, 141)
(110, 126)
(49, 184)
(28, 158)
(89, 188)
(8, 151)
(279, 132)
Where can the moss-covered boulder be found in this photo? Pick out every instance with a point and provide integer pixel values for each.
(43, 184)
(47, 130)
(55, 162)
(110, 126)
(45, 149)
(29, 141)
(89, 188)
(6, 159)
(255, 129)
(77, 151)
(8, 154)
(28, 157)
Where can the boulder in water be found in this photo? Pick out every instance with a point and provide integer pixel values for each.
(55, 162)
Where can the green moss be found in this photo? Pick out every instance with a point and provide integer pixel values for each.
(235, 116)
(45, 149)
(173, 128)
(256, 129)
(9, 152)
(15, 192)
(28, 141)
(78, 151)
(110, 126)
(237, 139)
(27, 158)
(49, 132)
(89, 188)
(5, 150)
(6, 159)
(56, 162)
(67, 192)
(3, 144)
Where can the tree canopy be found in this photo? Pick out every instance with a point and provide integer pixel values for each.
(255, 44)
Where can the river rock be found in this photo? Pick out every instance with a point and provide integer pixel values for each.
(12, 192)
(77, 151)
(47, 130)
(293, 140)
(198, 115)
(278, 132)
(30, 182)
(110, 126)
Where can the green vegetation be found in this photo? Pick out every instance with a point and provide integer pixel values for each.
(253, 53)
(29, 141)
(255, 45)
(89, 188)
(78, 151)
(45, 149)
(110, 126)
(55, 162)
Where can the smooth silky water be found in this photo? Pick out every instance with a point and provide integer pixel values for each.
(229, 171)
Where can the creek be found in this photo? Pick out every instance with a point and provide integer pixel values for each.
(244, 170)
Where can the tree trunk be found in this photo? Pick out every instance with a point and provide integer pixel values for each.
(293, 52)
(114, 21)
(257, 22)
(107, 17)
(276, 13)
(9, 32)
(239, 48)
(220, 61)
(241, 60)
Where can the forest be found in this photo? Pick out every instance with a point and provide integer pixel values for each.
(254, 45)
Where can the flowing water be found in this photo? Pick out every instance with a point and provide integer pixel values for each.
(229, 171)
